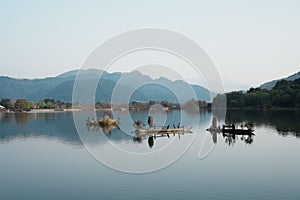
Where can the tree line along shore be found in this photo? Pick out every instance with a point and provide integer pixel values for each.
(23, 105)
(284, 95)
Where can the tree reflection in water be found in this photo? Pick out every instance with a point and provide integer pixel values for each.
(60, 125)
(230, 133)
(21, 118)
(286, 122)
(231, 139)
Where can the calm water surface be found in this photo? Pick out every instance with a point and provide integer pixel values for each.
(42, 157)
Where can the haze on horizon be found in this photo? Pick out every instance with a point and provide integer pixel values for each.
(250, 42)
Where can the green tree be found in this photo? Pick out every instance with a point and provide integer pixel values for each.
(23, 104)
(40, 104)
(50, 103)
(283, 94)
(68, 105)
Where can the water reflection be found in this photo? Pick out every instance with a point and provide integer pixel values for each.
(60, 125)
(231, 139)
(106, 129)
(266, 170)
(106, 123)
(152, 131)
(230, 133)
(286, 122)
(21, 118)
(151, 138)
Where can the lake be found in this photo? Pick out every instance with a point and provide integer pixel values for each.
(43, 157)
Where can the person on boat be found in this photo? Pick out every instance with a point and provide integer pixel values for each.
(233, 126)
(150, 121)
(242, 126)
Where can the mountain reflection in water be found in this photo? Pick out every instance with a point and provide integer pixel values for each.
(60, 125)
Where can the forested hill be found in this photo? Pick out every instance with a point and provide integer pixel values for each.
(61, 87)
(285, 94)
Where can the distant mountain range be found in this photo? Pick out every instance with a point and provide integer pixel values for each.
(271, 84)
(61, 87)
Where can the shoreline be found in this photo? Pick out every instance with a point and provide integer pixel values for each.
(141, 109)
(84, 109)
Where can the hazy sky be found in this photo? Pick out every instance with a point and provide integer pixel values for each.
(249, 41)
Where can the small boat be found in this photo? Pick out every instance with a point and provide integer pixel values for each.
(229, 129)
(163, 130)
(239, 131)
